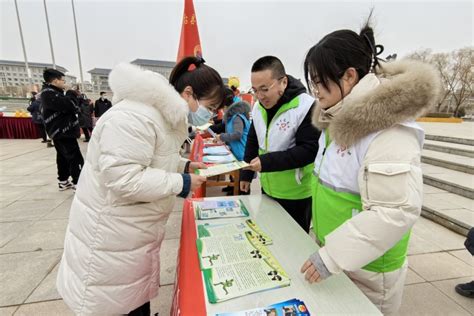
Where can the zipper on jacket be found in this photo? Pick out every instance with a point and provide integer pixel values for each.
(366, 179)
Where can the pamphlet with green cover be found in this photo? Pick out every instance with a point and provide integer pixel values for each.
(242, 278)
(220, 209)
(218, 169)
(227, 249)
(212, 230)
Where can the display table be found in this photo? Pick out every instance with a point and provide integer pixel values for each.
(291, 247)
(18, 128)
(196, 155)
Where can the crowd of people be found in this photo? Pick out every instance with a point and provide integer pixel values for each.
(342, 155)
(60, 114)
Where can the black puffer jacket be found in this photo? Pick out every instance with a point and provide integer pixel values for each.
(59, 113)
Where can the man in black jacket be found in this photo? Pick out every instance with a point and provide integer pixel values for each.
(282, 143)
(101, 105)
(60, 118)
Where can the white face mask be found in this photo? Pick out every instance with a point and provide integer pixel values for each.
(200, 117)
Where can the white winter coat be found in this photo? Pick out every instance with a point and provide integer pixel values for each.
(392, 195)
(126, 191)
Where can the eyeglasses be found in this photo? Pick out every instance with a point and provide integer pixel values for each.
(264, 90)
(211, 108)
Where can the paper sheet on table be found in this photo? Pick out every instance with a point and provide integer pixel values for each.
(242, 278)
(221, 168)
(221, 229)
(229, 249)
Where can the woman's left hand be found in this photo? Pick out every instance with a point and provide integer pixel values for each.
(196, 165)
(217, 139)
(312, 274)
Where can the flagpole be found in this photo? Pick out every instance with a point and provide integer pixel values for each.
(23, 45)
(77, 42)
(49, 34)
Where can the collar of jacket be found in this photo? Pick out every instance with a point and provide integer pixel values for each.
(293, 89)
(130, 82)
(50, 86)
(401, 91)
(239, 107)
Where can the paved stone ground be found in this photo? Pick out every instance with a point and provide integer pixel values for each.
(33, 220)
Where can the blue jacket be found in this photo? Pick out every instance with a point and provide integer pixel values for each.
(237, 139)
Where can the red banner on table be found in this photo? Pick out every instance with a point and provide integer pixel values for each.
(188, 299)
(196, 155)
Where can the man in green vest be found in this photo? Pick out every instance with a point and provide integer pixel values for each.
(282, 143)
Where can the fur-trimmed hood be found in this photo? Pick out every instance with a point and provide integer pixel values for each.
(133, 83)
(239, 107)
(402, 91)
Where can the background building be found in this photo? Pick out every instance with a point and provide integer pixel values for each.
(14, 80)
(100, 79)
(100, 76)
(159, 66)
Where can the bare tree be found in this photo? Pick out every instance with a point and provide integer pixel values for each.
(461, 86)
(455, 69)
(421, 54)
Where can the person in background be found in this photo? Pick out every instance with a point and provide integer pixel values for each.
(132, 176)
(467, 289)
(219, 125)
(85, 115)
(237, 125)
(101, 105)
(236, 93)
(60, 118)
(37, 117)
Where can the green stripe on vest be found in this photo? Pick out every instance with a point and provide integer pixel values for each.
(283, 184)
(331, 209)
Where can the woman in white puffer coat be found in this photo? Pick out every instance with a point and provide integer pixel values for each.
(368, 186)
(132, 175)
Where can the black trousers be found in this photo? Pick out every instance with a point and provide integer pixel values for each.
(300, 210)
(42, 131)
(143, 310)
(69, 159)
(87, 132)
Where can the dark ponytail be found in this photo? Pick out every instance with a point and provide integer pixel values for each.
(336, 52)
(205, 81)
(367, 35)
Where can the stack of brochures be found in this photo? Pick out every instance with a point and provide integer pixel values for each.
(233, 256)
(220, 150)
(218, 159)
(292, 307)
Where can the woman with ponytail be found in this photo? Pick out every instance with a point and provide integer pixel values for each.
(368, 184)
(128, 186)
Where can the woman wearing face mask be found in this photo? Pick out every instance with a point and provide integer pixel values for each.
(368, 188)
(129, 182)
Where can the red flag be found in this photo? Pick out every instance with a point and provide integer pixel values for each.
(189, 44)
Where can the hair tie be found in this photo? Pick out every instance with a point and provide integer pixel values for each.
(200, 60)
(376, 50)
(191, 67)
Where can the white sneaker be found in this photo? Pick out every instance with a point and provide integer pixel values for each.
(65, 185)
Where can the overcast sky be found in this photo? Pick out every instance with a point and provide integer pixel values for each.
(233, 33)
